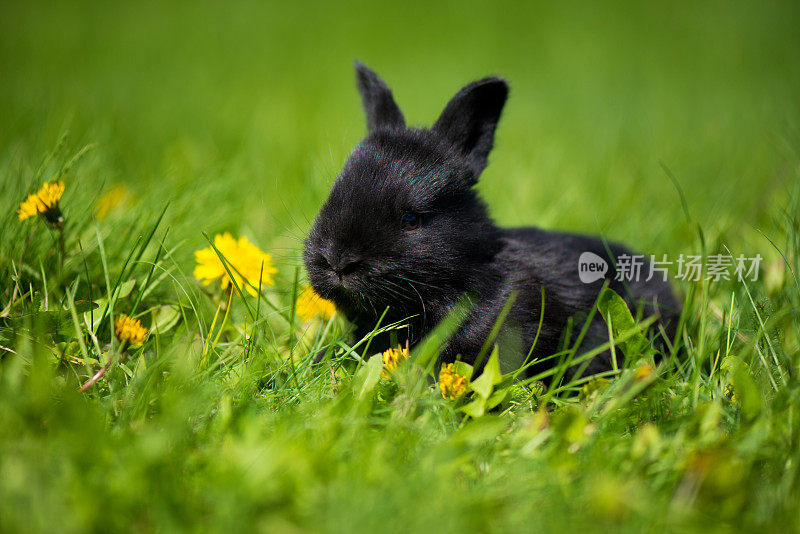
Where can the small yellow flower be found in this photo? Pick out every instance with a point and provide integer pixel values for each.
(44, 202)
(391, 359)
(111, 199)
(643, 372)
(244, 261)
(452, 384)
(129, 329)
(310, 305)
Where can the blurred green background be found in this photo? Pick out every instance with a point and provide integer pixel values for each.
(242, 113)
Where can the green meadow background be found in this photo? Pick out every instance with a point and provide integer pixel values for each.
(236, 116)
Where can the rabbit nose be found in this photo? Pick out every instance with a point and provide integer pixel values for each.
(342, 264)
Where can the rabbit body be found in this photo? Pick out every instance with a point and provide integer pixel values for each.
(403, 232)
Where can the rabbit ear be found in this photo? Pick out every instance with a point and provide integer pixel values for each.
(470, 118)
(381, 110)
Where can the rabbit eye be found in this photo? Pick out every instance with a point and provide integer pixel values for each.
(411, 221)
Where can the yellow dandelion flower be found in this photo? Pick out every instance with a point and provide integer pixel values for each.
(310, 305)
(129, 329)
(643, 372)
(244, 261)
(452, 384)
(391, 359)
(111, 199)
(44, 202)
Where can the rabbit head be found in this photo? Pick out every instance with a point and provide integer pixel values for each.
(403, 227)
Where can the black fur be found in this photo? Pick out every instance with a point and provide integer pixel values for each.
(362, 255)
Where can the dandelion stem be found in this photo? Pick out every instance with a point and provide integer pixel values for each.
(210, 331)
(89, 383)
(62, 250)
(221, 326)
(224, 319)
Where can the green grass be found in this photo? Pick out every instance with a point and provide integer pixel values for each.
(236, 117)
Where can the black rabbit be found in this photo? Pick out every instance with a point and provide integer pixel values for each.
(404, 229)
